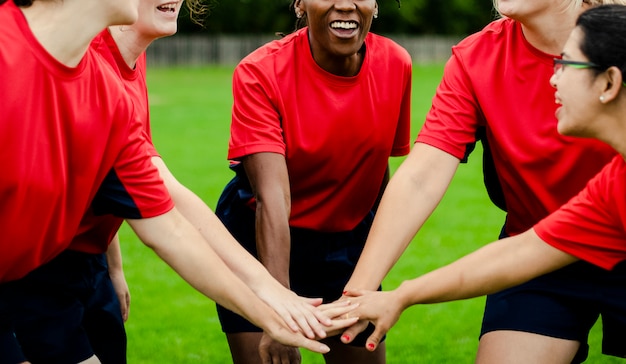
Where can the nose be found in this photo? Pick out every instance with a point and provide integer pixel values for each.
(345, 5)
(553, 79)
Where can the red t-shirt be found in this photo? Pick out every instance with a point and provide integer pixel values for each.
(336, 133)
(96, 231)
(592, 225)
(65, 140)
(495, 78)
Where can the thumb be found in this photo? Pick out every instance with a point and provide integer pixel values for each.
(374, 339)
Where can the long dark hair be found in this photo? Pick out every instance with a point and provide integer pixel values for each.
(604, 41)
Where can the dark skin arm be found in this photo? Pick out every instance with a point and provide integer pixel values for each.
(269, 179)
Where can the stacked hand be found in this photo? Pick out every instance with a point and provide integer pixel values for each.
(335, 320)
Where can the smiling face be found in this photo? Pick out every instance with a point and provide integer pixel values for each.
(337, 28)
(577, 91)
(157, 18)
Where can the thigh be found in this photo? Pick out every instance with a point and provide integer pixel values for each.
(518, 347)
(562, 306)
(244, 347)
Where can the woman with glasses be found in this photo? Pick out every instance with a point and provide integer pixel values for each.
(496, 82)
(591, 98)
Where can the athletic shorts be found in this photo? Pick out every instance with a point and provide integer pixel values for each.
(10, 351)
(565, 304)
(320, 263)
(66, 311)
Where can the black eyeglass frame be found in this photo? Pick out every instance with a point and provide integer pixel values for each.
(559, 63)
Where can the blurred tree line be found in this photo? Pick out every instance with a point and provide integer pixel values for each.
(454, 17)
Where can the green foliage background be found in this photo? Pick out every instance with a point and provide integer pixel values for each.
(171, 323)
(453, 17)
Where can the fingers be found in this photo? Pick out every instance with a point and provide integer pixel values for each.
(349, 334)
(374, 339)
(355, 292)
(314, 346)
(339, 324)
(338, 308)
(312, 301)
(311, 320)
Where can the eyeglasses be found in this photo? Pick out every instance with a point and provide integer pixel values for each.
(560, 63)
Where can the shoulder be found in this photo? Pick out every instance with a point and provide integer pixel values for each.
(276, 50)
(493, 33)
(380, 45)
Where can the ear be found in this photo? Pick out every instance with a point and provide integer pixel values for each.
(612, 83)
(298, 7)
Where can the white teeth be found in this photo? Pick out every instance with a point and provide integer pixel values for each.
(167, 7)
(343, 25)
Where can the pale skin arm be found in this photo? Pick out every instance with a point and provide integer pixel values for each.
(496, 266)
(298, 312)
(269, 179)
(182, 247)
(412, 194)
(410, 197)
(116, 272)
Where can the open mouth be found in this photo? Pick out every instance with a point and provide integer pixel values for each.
(167, 8)
(344, 25)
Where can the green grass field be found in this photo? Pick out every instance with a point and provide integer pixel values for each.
(172, 323)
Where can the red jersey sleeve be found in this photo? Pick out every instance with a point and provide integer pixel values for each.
(255, 123)
(133, 188)
(591, 226)
(454, 117)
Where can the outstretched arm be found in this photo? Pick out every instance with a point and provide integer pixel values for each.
(296, 311)
(408, 200)
(181, 246)
(496, 266)
(410, 197)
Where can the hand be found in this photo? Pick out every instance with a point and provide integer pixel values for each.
(383, 309)
(340, 313)
(300, 313)
(121, 290)
(272, 352)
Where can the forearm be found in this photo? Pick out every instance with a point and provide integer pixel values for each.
(494, 267)
(114, 256)
(273, 239)
(196, 211)
(177, 242)
(410, 197)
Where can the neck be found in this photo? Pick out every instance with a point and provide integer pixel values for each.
(64, 28)
(130, 43)
(613, 124)
(549, 32)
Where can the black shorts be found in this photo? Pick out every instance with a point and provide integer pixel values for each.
(320, 263)
(66, 311)
(10, 351)
(565, 304)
